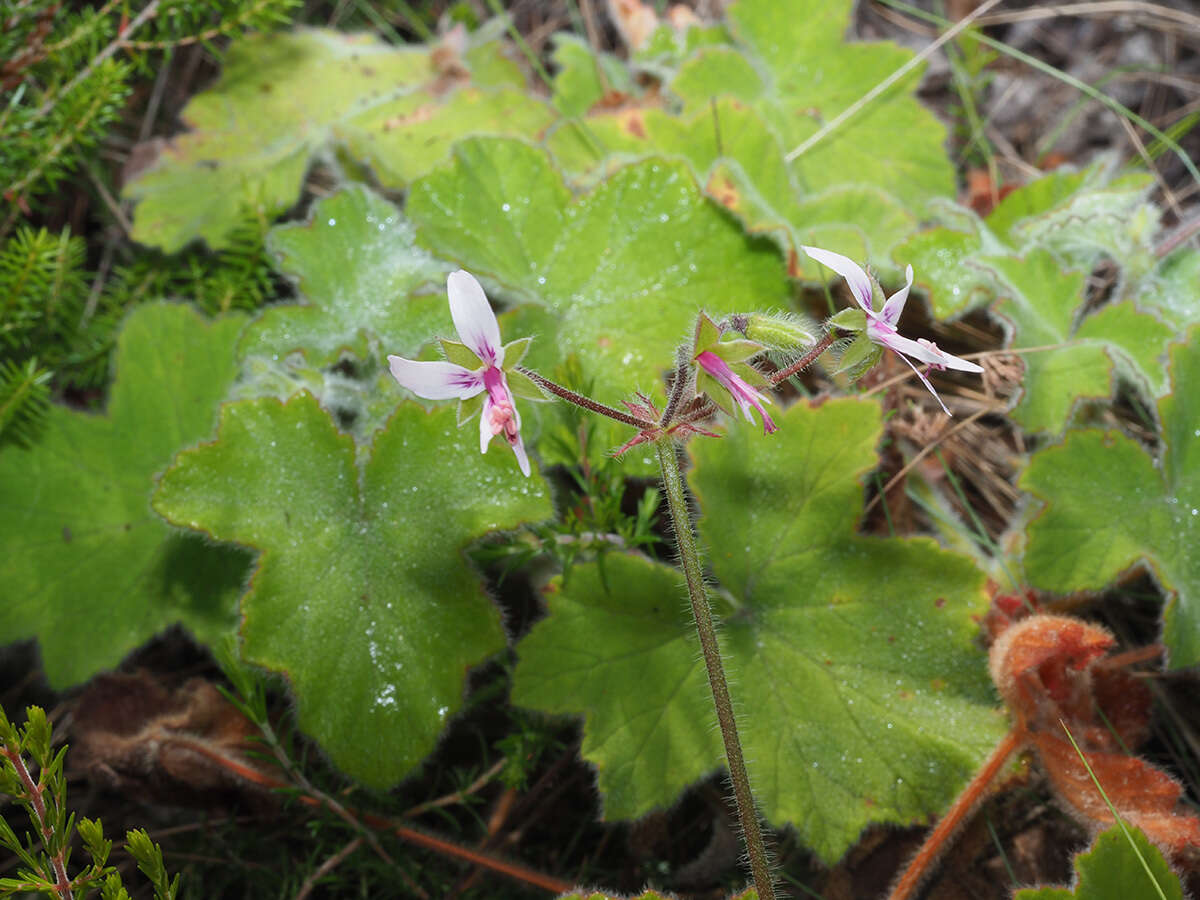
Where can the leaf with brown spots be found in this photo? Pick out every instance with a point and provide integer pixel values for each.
(283, 99)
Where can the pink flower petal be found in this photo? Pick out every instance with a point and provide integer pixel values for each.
(743, 394)
(473, 317)
(895, 303)
(435, 380)
(860, 284)
(500, 416)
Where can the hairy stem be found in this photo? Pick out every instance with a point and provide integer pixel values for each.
(678, 383)
(34, 791)
(584, 402)
(817, 349)
(689, 556)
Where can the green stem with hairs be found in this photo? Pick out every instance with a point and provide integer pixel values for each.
(689, 558)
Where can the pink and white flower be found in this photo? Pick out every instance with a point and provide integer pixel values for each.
(881, 326)
(745, 396)
(437, 380)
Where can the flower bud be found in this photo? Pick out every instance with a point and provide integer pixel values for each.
(787, 333)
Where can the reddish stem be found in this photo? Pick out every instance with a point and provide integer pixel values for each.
(34, 790)
(817, 349)
(585, 402)
(966, 801)
(404, 832)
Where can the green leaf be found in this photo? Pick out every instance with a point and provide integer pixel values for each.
(284, 99)
(619, 646)
(584, 76)
(1033, 252)
(740, 159)
(361, 594)
(799, 74)
(616, 277)
(367, 288)
(1078, 217)
(1040, 306)
(1112, 869)
(88, 568)
(668, 45)
(1170, 291)
(1109, 505)
(863, 695)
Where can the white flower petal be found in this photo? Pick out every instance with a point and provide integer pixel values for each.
(860, 284)
(435, 380)
(522, 457)
(473, 317)
(895, 303)
(925, 381)
(923, 352)
(485, 425)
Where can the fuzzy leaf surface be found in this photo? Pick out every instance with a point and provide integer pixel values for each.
(1040, 305)
(367, 288)
(88, 568)
(1031, 255)
(361, 595)
(870, 701)
(1110, 505)
(1076, 216)
(616, 276)
(1111, 870)
(804, 75)
(619, 646)
(283, 99)
(1172, 291)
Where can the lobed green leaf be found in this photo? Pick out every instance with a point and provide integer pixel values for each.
(1110, 505)
(615, 277)
(870, 701)
(89, 569)
(361, 594)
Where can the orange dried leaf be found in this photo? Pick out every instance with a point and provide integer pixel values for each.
(635, 20)
(1141, 793)
(1046, 668)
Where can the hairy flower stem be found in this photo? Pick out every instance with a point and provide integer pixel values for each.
(38, 805)
(689, 557)
(584, 402)
(678, 384)
(817, 349)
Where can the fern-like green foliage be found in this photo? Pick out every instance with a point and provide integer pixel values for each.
(24, 400)
(57, 332)
(67, 75)
(43, 857)
(238, 276)
(42, 287)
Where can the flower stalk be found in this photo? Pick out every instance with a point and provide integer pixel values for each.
(775, 378)
(689, 560)
(583, 402)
